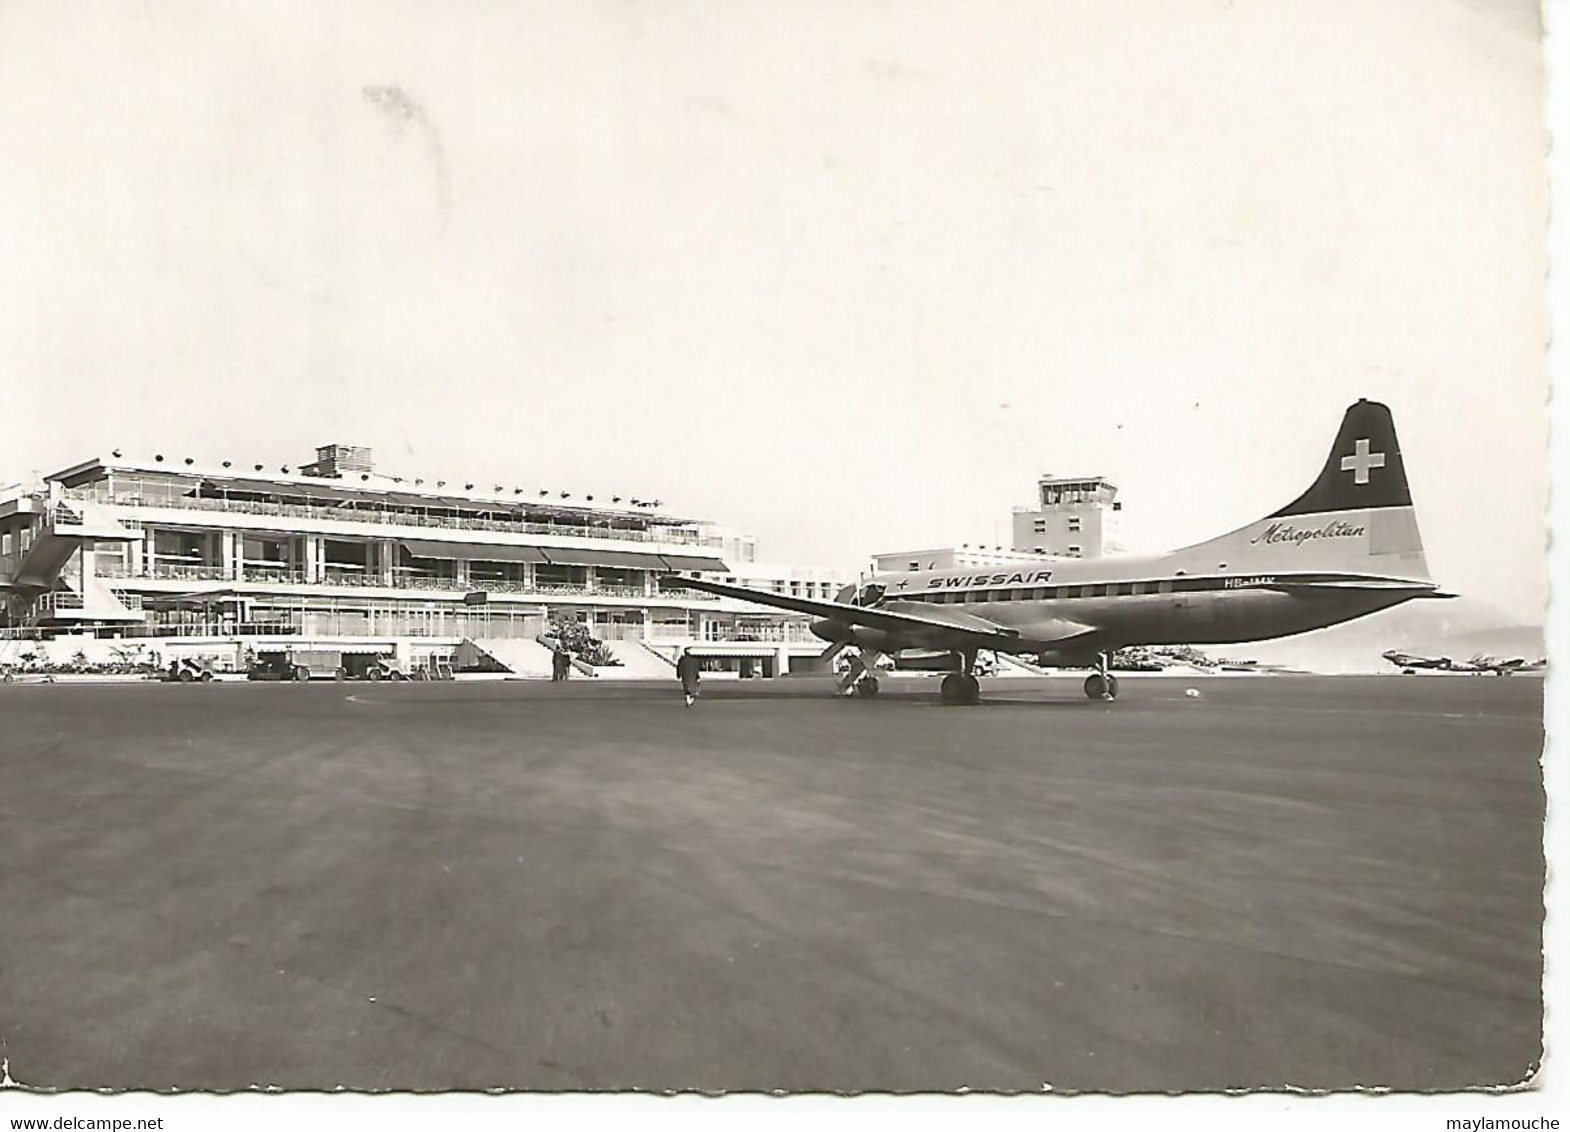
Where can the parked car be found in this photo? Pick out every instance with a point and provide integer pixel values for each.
(188, 669)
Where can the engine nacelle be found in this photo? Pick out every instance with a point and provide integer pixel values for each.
(859, 635)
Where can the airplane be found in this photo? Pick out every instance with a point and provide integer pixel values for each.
(1480, 664)
(1497, 666)
(1345, 548)
(1409, 662)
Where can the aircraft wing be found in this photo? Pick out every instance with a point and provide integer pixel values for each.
(941, 628)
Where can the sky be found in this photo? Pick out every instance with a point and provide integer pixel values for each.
(849, 276)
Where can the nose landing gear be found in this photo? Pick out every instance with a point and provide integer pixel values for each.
(861, 679)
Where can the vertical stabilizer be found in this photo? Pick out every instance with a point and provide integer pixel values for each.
(1356, 518)
(1364, 470)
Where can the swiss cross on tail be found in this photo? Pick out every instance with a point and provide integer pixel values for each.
(1361, 461)
(1364, 470)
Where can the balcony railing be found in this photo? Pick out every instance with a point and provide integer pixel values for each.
(788, 634)
(11, 492)
(268, 572)
(668, 535)
(403, 581)
(185, 572)
(768, 634)
(194, 572)
(62, 518)
(58, 600)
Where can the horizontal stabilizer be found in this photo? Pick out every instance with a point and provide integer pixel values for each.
(1359, 585)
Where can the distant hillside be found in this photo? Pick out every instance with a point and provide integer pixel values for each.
(1458, 628)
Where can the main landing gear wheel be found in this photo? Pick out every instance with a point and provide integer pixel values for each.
(867, 687)
(958, 688)
(1101, 687)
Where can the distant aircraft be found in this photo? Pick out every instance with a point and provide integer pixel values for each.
(1345, 548)
(1492, 664)
(1481, 664)
(1411, 662)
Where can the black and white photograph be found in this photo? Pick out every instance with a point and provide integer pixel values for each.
(674, 551)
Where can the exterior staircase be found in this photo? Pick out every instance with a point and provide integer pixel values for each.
(640, 661)
(67, 525)
(517, 655)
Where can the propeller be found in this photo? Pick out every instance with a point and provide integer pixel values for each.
(831, 654)
(857, 669)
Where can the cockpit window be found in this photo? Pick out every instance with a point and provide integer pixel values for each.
(870, 595)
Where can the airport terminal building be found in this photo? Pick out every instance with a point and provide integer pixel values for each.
(117, 547)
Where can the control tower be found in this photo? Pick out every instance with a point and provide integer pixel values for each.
(1072, 518)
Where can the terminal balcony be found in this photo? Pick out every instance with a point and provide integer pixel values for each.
(99, 604)
(256, 575)
(383, 517)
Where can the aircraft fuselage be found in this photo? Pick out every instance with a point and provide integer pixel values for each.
(1128, 602)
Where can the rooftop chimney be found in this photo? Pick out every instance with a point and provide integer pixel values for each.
(334, 461)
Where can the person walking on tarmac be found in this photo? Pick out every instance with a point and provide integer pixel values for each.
(561, 665)
(687, 672)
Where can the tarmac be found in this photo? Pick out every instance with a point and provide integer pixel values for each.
(1281, 882)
